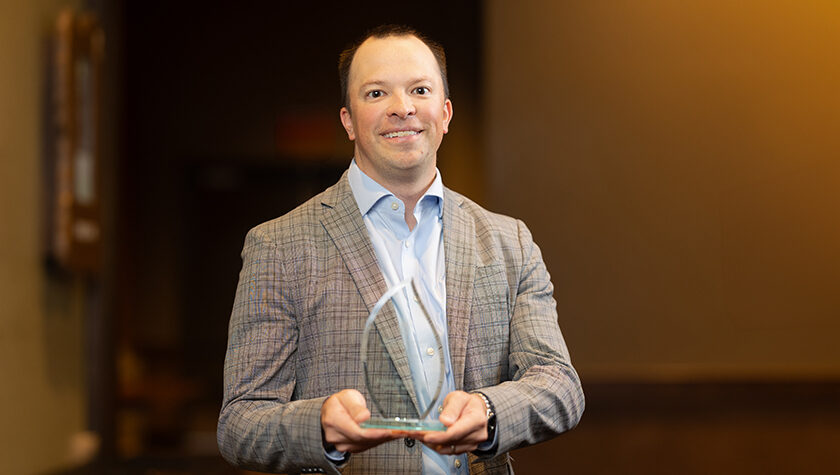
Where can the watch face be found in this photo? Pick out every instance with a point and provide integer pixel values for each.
(491, 426)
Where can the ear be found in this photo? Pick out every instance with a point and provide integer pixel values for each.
(347, 122)
(447, 115)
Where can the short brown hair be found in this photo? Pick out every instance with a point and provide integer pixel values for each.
(345, 59)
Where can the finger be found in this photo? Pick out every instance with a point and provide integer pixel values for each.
(344, 411)
(352, 433)
(333, 413)
(336, 420)
(467, 429)
(357, 440)
(470, 428)
(453, 405)
(454, 449)
(364, 441)
(360, 415)
(355, 405)
(458, 433)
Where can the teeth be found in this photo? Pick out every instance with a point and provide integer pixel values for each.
(401, 133)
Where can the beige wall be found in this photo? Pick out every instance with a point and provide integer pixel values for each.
(679, 163)
(42, 399)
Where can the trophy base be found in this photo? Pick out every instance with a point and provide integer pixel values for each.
(403, 424)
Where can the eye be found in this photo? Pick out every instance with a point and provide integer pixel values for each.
(375, 94)
(422, 90)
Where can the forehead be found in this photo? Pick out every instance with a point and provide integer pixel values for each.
(379, 59)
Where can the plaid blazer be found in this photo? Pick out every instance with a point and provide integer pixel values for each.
(308, 282)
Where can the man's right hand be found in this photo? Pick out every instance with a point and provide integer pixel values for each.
(341, 415)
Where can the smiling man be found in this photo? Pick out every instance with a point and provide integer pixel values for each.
(294, 388)
(400, 112)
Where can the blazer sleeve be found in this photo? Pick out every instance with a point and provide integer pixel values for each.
(260, 426)
(543, 396)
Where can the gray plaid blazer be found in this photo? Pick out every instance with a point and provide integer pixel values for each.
(309, 280)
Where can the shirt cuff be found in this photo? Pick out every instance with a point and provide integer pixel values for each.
(489, 446)
(335, 456)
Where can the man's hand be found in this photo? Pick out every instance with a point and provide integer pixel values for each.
(465, 418)
(341, 415)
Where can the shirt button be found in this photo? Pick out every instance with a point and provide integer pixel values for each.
(457, 463)
(407, 244)
(395, 206)
(440, 408)
(409, 442)
(430, 351)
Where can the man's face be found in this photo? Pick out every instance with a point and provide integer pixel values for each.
(398, 112)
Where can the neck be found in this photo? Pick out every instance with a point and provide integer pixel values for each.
(410, 198)
(410, 194)
(408, 187)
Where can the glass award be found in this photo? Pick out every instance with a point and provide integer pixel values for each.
(385, 388)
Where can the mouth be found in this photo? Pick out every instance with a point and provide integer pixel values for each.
(401, 133)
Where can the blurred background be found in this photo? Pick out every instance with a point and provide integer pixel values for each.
(677, 162)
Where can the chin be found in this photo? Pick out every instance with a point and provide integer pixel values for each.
(412, 163)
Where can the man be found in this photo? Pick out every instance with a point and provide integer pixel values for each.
(294, 387)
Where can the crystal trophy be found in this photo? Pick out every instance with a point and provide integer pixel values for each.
(387, 391)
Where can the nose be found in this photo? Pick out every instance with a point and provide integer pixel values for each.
(401, 106)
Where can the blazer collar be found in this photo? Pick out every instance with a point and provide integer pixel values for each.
(460, 256)
(344, 224)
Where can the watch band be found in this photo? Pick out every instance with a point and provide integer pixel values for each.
(491, 414)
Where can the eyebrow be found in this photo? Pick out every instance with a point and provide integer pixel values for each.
(378, 82)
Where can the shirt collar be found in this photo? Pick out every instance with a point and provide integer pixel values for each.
(368, 192)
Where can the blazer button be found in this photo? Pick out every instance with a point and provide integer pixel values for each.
(409, 442)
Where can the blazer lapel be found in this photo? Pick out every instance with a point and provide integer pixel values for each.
(459, 247)
(345, 226)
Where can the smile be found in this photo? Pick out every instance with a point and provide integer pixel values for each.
(400, 133)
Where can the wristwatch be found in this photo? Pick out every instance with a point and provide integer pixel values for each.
(491, 415)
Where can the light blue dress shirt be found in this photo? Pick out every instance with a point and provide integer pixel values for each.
(417, 254)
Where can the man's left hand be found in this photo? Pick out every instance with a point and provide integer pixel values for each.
(465, 418)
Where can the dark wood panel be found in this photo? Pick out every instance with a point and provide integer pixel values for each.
(697, 428)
